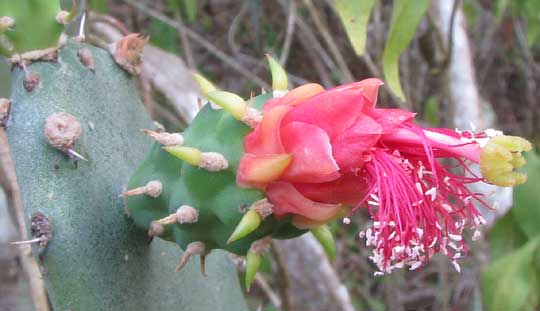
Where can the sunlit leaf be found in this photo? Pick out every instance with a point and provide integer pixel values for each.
(355, 18)
(511, 282)
(406, 16)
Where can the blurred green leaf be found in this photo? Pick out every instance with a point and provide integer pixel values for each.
(100, 6)
(506, 236)
(500, 8)
(189, 8)
(511, 282)
(406, 16)
(526, 208)
(5, 84)
(163, 36)
(355, 18)
(431, 111)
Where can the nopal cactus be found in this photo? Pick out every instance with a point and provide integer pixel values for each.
(71, 121)
(291, 161)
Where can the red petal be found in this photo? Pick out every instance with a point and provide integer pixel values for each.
(333, 111)
(389, 119)
(370, 87)
(295, 96)
(349, 189)
(265, 139)
(312, 154)
(348, 146)
(287, 200)
(259, 170)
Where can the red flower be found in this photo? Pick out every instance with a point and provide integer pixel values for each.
(316, 151)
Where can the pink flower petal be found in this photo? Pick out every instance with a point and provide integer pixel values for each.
(295, 96)
(332, 111)
(370, 87)
(348, 146)
(389, 119)
(287, 200)
(311, 152)
(265, 139)
(348, 189)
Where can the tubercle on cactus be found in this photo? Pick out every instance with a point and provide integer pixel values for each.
(5, 108)
(62, 131)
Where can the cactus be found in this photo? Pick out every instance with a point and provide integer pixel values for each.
(294, 160)
(92, 255)
(32, 26)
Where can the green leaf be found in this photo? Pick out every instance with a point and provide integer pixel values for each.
(100, 6)
(163, 36)
(511, 282)
(406, 16)
(432, 112)
(355, 18)
(506, 236)
(190, 10)
(526, 208)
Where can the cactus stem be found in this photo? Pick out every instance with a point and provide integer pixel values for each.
(5, 108)
(193, 248)
(185, 214)
(211, 161)
(324, 236)
(164, 138)
(152, 189)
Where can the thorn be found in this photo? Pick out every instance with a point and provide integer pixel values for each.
(203, 265)
(193, 248)
(152, 189)
(279, 77)
(249, 223)
(75, 154)
(324, 236)
(164, 138)
(80, 36)
(65, 17)
(36, 240)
